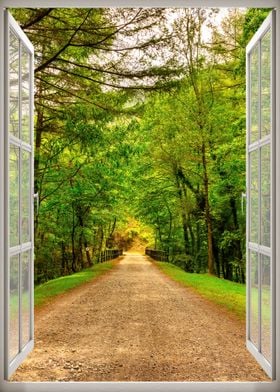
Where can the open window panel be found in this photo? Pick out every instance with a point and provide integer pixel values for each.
(261, 195)
(19, 325)
(19, 251)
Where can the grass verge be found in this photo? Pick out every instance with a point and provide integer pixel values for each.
(46, 291)
(229, 295)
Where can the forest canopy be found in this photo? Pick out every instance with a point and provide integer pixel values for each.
(140, 135)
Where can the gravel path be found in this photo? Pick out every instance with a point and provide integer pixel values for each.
(135, 324)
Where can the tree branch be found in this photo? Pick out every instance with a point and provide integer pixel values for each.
(143, 87)
(75, 95)
(50, 60)
(39, 16)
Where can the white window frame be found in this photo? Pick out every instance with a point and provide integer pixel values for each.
(268, 140)
(273, 386)
(17, 250)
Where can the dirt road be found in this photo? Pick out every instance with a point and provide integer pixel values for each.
(135, 324)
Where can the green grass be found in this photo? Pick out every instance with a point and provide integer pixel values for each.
(46, 291)
(229, 295)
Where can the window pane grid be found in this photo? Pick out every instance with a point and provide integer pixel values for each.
(254, 96)
(14, 307)
(265, 282)
(254, 298)
(20, 196)
(13, 84)
(259, 194)
(265, 81)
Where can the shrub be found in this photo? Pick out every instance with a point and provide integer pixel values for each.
(184, 261)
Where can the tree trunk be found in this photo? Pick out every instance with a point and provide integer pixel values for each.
(81, 236)
(80, 257)
(236, 225)
(38, 142)
(64, 263)
(101, 238)
(216, 258)
(208, 218)
(74, 267)
(89, 261)
(183, 213)
(192, 239)
(223, 269)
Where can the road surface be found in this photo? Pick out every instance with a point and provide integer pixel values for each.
(136, 324)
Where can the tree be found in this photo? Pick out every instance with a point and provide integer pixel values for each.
(139, 115)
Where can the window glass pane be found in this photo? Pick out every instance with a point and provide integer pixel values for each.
(25, 292)
(14, 85)
(265, 84)
(25, 197)
(254, 96)
(254, 194)
(14, 195)
(14, 308)
(265, 195)
(25, 95)
(266, 307)
(254, 298)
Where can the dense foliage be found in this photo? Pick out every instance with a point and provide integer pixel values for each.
(140, 135)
